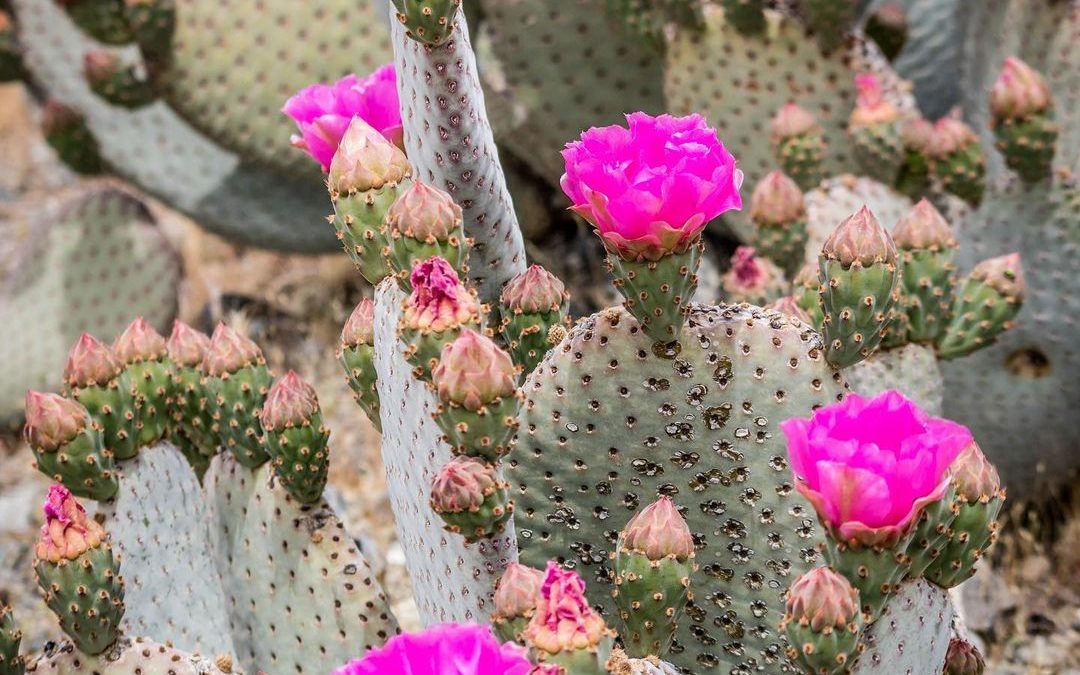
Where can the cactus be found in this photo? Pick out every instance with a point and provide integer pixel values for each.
(875, 129)
(296, 438)
(116, 82)
(145, 357)
(67, 445)
(963, 658)
(134, 656)
(430, 22)
(237, 382)
(798, 144)
(66, 132)
(1023, 120)
(753, 279)
(424, 222)
(357, 357)
(191, 425)
(11, 661)
(531, 305)
(986, 304)
(564, 631)
(97, 379)
(829, 20)
(516, 595)
(822, 620)
(436, 312)
(471, 499)
(778, 211)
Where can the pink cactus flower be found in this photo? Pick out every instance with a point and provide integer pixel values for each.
(564, 621)
(68, 532)
(870, 466)
(443, 649)
(439, 300)
(323, 111)
(650, 189)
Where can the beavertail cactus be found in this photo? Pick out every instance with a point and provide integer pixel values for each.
(145, 356)
(1022, 113)
(798, 144)
(296, 438)
(875, 127)
(753, 279)
(926, 245)
(67, 446)
(77, 571)
(422, 223)
(192, 424)
(435, 313)
(96, 379)
(778, 210)
(357, 357)
(565, 630)
(531, 304)
(237, 381)
(516, 595)
(822, 621)
(653, 563)
(471, 498)
(986, 304)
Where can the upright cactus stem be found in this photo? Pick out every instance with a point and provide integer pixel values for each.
(429, 22)
(1022, 113)
(11, 661)
(860, 281)
(296, 438)
(986, 304)
(145, 357)
(237, 382)
(116, 82)
(822, 621)
(96, 379)
(67, 446)
(798, 144)
(357, 357)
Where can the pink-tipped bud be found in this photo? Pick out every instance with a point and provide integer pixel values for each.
(90, 362)
(473, 372)
(462, 485)
(974, 476)
(56, 116)
(963, 658)
(360, 328)
(751, 275)
(917, 134)
(518, 591)
(789, 306)
(923, 228)
(229, 352)
(425, 213)
(1020, 91)
(950, 135)
(140, 342)
(659, 531)
(564, 621)
(534, 291)
(187, 346)
(822, 599)
(790, 121)
(67, 532)
(365, 160)
(871, 107)
(290, 403)
(777, 200)
(52, 420)
(439, 300)
(1004, 274)
(862, 239)
(101, 66)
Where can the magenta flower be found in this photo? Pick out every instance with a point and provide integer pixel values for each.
(651, 188)
(870, 466)
(444, 649)
(323, 111)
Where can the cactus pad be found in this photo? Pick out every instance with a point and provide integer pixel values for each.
(912, 636)
(911, 369)
(130, 656)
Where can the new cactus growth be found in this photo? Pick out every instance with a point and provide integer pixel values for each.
(957, 159)
(860, 281)
(357, 358)
(296, 438)
(146, 361)
(917, 137)
(116, 82)
(753, 279)
(429, 22)
(77, 572)
(822, 620)
(778, 211)
(96, 379)
(565, 631)
(11, 661)
(192, 423)
(986, 304)
(963, 658)
(424, 222)
(66, 132)
(531, 304)
(67, 445)
(1022, 113)
(875, 127)
(471, 498)
(798, 145)
(237, 382)
(926, 247)
(516, 595)
(435, 313)
(654, 560)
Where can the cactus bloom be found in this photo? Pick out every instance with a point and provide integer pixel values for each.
(67, 532)
(777, 200)
(564, 621)
(1004, 274)
(323, 111)
(659, 531)
(474, 372)
(869, 466)
(290, 403)
(229, 351)
(822, 599)
(187, 346)
(860, 238)
(360, 328)
(518, 591)
(139, 342)
(975, 478)
(90, 362)
(750, 273)
(439, 300)
(52, 420)
(871, 107)
(365, 160)
(923, 228)
(425, 213)
(1019, 91)
(791, 121)
(534, 291)
(650, 189)
(443, 649)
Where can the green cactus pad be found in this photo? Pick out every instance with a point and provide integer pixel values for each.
(81, 465)
(151, 388)
(608, 425)
(658, 293)
(112, 407)
(878, 150)
(800, 157)
(962, 172)
(912, 637)
(301, 597)
(11, 662)
(929, 282)
(485, 433)
(971, 533)
(875, 571)
(980, 314)
(131, 656)
(1028, 145)
(236, 401)
(932, 532)
(526, 335)
(912, 370)
(649, 20)
(650, 597)
(359, 365)
(192, 422)
(86, 595)
(301, 459)
(783, 243)
(159, 526)
(103, 20)
(859, 305)
(358, 221)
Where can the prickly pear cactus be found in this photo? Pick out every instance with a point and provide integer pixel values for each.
(913, 635)
(130, 656)
(88, 267)
(912, 369)
(698, 425)
(838, 197)
(451, 580)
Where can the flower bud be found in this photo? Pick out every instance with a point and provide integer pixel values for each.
(1019, 91)
(950, 135)
(777, 200)
(963, 659)
(917, 135)
(90, 362)
(923, 228)
(1004, 274)
(366, 160)
(462, 485)
(425, 213)
(439, 300)
(871, 107)
(659, 531)
(290, 403)
(229, 352)
(534, 291)
(791, 120)
(360, 328)
(473, 372)
(187, 346)
(52, 420)
(975, 478)
(862, 239)
(67, 532)
(101, 66)
(822, 599)
(564, 621)
(140, 342)
(518, 590)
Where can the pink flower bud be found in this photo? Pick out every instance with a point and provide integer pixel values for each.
(974, 476)
(923, 228)
(659, 531)
(750, 273)
(518, 591)
(860, 238)
(950, 135)
(439, 300)
(52, 420)
(917, 134)
(822, 599)
(67, 532)
(425, 213)
(474, 372)
(871, 107)
(187, 346)
(229, 352)
(1004, 274)
(791, 121)
(139, 342)
(534, 291)
(290, 403)
(777, 200)
(1019, 91)
(564, 621)
(360, 328)
(963, 659)
(365, 160)
(462, 485)
(90, 362)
